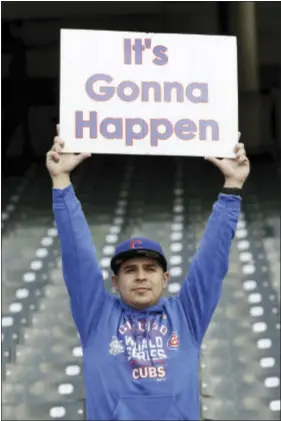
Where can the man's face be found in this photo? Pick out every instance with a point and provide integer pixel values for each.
(140, 282)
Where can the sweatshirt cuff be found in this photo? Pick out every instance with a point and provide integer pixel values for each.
(230, 201)
(62, 195)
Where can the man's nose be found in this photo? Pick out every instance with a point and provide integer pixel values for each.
(141, 275)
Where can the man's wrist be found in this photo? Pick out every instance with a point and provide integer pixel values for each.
(232, 187)
(61, 181)
(232, 184)
(232, 191)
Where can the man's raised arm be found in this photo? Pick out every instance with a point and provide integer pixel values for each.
(81, 270)
(202, 286)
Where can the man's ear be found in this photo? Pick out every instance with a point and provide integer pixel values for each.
(115, 282)
(166, 279)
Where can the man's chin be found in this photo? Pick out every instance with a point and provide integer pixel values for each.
(143, 301)
(142, 296)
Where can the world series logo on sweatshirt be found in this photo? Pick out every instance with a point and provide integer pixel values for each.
(146, 346)
(116, 347)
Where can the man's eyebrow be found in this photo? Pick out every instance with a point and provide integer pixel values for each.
(129, 265)
(151, 264)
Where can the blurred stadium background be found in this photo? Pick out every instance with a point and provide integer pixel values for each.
(168, 199)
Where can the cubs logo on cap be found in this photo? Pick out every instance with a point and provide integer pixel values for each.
(138, 246)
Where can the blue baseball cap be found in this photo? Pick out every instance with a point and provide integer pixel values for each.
(138, 246)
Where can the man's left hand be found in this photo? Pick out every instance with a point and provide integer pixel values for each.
(235, 170)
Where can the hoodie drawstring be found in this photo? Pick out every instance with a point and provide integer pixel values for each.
(147, 335)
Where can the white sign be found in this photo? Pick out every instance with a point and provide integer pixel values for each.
(148, 94)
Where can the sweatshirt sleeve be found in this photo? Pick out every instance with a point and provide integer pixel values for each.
(202, 286)
(81, 270)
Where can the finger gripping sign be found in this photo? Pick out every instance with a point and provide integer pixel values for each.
(148, 94)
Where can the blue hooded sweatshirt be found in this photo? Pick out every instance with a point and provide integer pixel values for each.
(142, 365)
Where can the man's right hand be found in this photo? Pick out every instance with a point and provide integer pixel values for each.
(61, 164)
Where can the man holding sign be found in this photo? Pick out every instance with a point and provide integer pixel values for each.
(140, 350)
